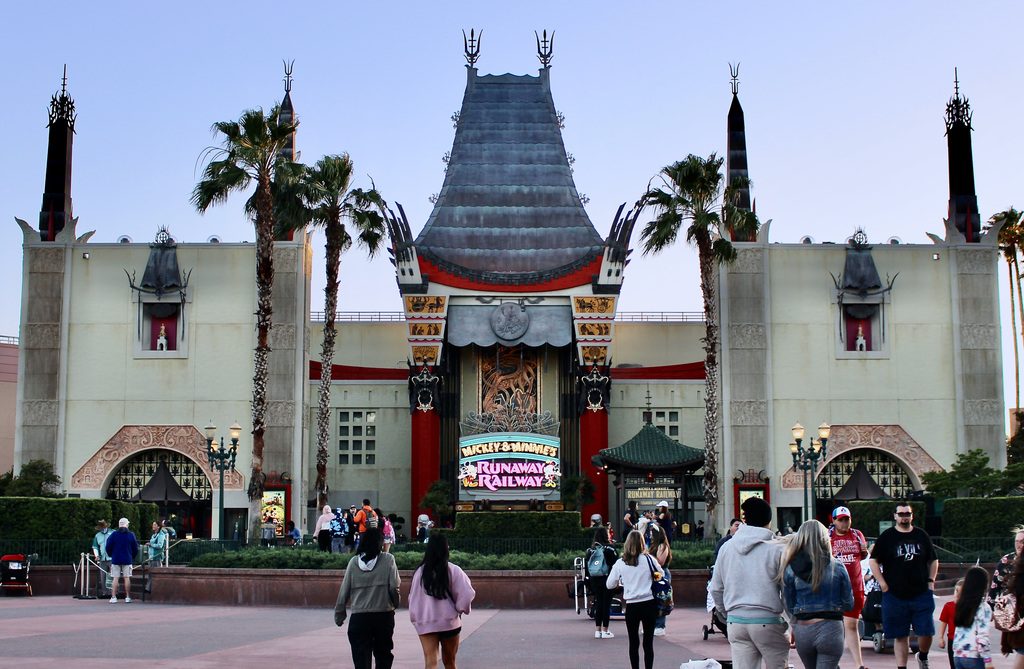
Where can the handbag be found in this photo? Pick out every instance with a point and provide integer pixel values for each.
(661, 588)
(1004, 613)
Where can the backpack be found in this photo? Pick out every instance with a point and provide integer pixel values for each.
(371, 518)
(597, 565)
(337, 528)
(661, 588)
(1004, 614)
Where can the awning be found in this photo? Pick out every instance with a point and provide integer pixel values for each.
(161, 488)
(472, 324)
(860, 485)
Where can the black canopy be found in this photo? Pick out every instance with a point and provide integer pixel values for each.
(860, 485)
(161, 488)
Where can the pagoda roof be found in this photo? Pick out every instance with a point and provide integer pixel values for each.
(650, 448)
(508, 208)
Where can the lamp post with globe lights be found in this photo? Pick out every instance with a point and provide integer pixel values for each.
(222, 459)
(806, 459)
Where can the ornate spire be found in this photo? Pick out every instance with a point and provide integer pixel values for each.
(56, 209)
(471, 46)
(963, 200)
(62, 107)
(736, 151)
(735, 83)
(958, 109)
(545, 48)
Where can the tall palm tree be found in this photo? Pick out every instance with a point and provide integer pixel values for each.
(1011, 240)
(693, 194)
(251, 150)
(330, 202)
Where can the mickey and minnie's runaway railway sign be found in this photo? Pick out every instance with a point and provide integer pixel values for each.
(509, 465)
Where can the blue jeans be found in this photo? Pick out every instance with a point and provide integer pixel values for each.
(659, 622)
(968, 663)
(899, 615)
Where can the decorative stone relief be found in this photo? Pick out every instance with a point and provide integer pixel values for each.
(748, 412)
(892, 439)
(976, 261)
(39, 412)
(975, 335)
(286, 258)
(747, 335)
(41, 335)
(282, 336)
(49, 259)
(748, 261)
(982, 412)
(280, 414)
(130, 439)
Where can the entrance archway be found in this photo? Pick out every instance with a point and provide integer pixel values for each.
(888, 472)
(192, 516)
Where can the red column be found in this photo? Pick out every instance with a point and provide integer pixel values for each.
(594, 438)
(425, 455)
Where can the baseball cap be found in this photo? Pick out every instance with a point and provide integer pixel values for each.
(662, 503)
(595, 516)
(123, 522)
(840, 512)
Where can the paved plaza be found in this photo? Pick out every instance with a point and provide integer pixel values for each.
(91, 634)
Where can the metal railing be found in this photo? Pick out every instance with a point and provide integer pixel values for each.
(8, 339)
(360, 316)
(183, 551)
(622, 316)
(498, 546)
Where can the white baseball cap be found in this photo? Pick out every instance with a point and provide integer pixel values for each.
(840, 512)
(123, 522)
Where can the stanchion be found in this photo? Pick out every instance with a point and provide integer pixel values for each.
(83, 583)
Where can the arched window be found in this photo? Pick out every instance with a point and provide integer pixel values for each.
(136, 472)
(886, 471)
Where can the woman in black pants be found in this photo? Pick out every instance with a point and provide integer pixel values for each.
(597, 571)
(633, 573)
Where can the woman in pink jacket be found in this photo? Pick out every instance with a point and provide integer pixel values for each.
(440, 593)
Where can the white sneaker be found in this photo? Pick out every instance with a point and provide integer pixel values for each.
(659, 631)
(127, 600)
(607, 635)
(598, 635)
(113, 600)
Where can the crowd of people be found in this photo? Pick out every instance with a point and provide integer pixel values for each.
(114, 551)
(340, 531)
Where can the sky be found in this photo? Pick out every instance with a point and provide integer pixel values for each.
(844, 110)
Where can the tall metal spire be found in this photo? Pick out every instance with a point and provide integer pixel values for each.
(471, 47)
(56, 209)
(287, 110)
(545, 48)
(963, 200)
(736, 156)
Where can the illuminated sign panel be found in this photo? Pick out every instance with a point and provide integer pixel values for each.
(509, 465)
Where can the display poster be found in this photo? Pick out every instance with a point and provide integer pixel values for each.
(508, 466)
(272, 510)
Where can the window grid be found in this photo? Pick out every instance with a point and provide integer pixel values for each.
(354, 428)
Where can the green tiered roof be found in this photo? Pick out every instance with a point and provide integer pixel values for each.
(651, 448)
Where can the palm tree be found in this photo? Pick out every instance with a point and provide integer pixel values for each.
(692, 194)
(330, 202)
(1011, 240)
(251, 151)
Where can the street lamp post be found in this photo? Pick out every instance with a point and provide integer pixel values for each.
(222, 459)
(806, 459)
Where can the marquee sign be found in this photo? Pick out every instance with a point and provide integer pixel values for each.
(509, 465)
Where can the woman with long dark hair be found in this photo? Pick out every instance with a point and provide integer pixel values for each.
(816, 588)
(371, 587)
(661, 549)
(598, 566)
(972, 617)
(439, 596)
(1013, 642)
(633, 572)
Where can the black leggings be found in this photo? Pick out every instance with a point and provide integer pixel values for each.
(602, 601)
(371, 635)
(636, 613)
(323, 538)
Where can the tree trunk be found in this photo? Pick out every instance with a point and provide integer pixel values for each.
(333, 232)
(1010, 262)
(264, 311)
(708, 287)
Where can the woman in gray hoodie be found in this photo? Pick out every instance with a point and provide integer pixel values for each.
(370, 586)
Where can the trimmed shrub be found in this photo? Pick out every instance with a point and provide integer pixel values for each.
(23, 518)
(981, 516)
(868, 514)
(518, 524)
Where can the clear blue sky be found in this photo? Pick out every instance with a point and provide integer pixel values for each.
(843, 106)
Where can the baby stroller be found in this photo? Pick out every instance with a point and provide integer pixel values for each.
(14, 573)
(717, 619)
(870, 624)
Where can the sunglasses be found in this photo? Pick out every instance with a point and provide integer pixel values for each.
(905, 514)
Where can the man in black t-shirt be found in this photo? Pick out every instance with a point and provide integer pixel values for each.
(907, 577)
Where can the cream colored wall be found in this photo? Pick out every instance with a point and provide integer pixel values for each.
(653, 344)
(914, 386)
(107, 387)
(375, 344)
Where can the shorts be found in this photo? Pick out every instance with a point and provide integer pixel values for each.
(858, 605)
(118, 570)
(448, 634)
(899, 615)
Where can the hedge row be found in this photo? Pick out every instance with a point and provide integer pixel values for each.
(517, 524)
(981, 516)
(24, 518)
(867, 515)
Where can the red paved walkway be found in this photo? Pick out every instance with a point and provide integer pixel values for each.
(64, 632)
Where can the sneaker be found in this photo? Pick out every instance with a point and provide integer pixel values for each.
(921, 662)
(659, 631)
(113, 600)
(127, 600)
(598, 635)
(607, 635)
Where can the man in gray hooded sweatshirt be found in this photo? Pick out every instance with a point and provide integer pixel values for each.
(747, 588)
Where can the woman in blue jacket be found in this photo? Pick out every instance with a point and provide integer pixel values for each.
(817, 590)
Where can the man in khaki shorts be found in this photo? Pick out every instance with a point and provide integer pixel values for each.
(122, 547)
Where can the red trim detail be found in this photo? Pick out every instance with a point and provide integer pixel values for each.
(580, 277)
(686, 371)
(594, 438)
(354, 373)
(425, 456)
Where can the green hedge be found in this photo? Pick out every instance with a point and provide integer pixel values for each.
(24, 518)
(981, 516)
(867, 515)
(516, 524)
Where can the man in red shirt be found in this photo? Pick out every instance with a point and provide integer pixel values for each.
(850, 547)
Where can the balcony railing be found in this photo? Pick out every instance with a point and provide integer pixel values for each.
(622, 316)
